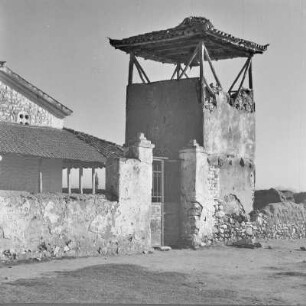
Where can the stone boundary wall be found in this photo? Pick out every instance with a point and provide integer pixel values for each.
(47, 225)
(55, 224)
(285, 220)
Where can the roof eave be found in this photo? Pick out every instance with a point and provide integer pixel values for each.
(35, 93)
(191, 29)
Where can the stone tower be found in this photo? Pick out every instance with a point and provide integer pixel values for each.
(171, 113)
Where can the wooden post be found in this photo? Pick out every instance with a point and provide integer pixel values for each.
(131, 68)
(69, 180)
(93, 179)
(162, 202)
(40, 183)
(81, 180)
(202, 82)
(250, 76)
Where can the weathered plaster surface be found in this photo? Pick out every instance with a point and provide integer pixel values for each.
(12, 103)
(196, 199)
(232, 175)
(168, 112)
(212, 187)
(228, 130)
(76, 225)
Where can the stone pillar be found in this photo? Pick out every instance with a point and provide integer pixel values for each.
(196, 203)
(119, 171)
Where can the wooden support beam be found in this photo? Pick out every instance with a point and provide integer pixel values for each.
(180, 69)
(140, 73)
(40, 178)
(140, 69)
(195, 53)
(238, 76)
(174, 72)
(69, 180)
(212, 67)
(93, 180)
(243, 78)
(131, 68)
(202, 81)
(250, 76)
(81, 180)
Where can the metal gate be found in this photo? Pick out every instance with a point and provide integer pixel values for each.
(165, 212)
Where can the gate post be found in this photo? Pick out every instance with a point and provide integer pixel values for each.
(196, 205)
(129, 182)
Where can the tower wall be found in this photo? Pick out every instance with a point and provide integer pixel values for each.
(229, 141)
(168, 112)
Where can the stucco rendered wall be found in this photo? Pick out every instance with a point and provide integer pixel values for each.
(197, 199)
(22, 173)
(168, 112)
(232, 175)
(46, 225)
(13, 102)
(228, 130)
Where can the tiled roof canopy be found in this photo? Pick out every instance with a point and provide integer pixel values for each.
(175, 45)
(51, 143)
(106, 148)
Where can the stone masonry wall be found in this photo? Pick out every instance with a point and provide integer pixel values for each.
(13, 103)
(213, 188)
(285, 220)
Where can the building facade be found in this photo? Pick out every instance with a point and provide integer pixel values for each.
(34, 145)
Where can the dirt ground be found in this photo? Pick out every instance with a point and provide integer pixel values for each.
(274, 274)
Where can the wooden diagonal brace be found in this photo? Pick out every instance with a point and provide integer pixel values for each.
(141, 72)
(175, 71)
(196, 50)
(181, 69)
(212, 67)
(203, 80)
(240, 72)
(243, 78)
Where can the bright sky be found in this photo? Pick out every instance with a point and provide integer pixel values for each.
(61, 46)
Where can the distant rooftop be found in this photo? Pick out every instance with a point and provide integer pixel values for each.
(67, 144)
(17, 81)
(175, 45)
